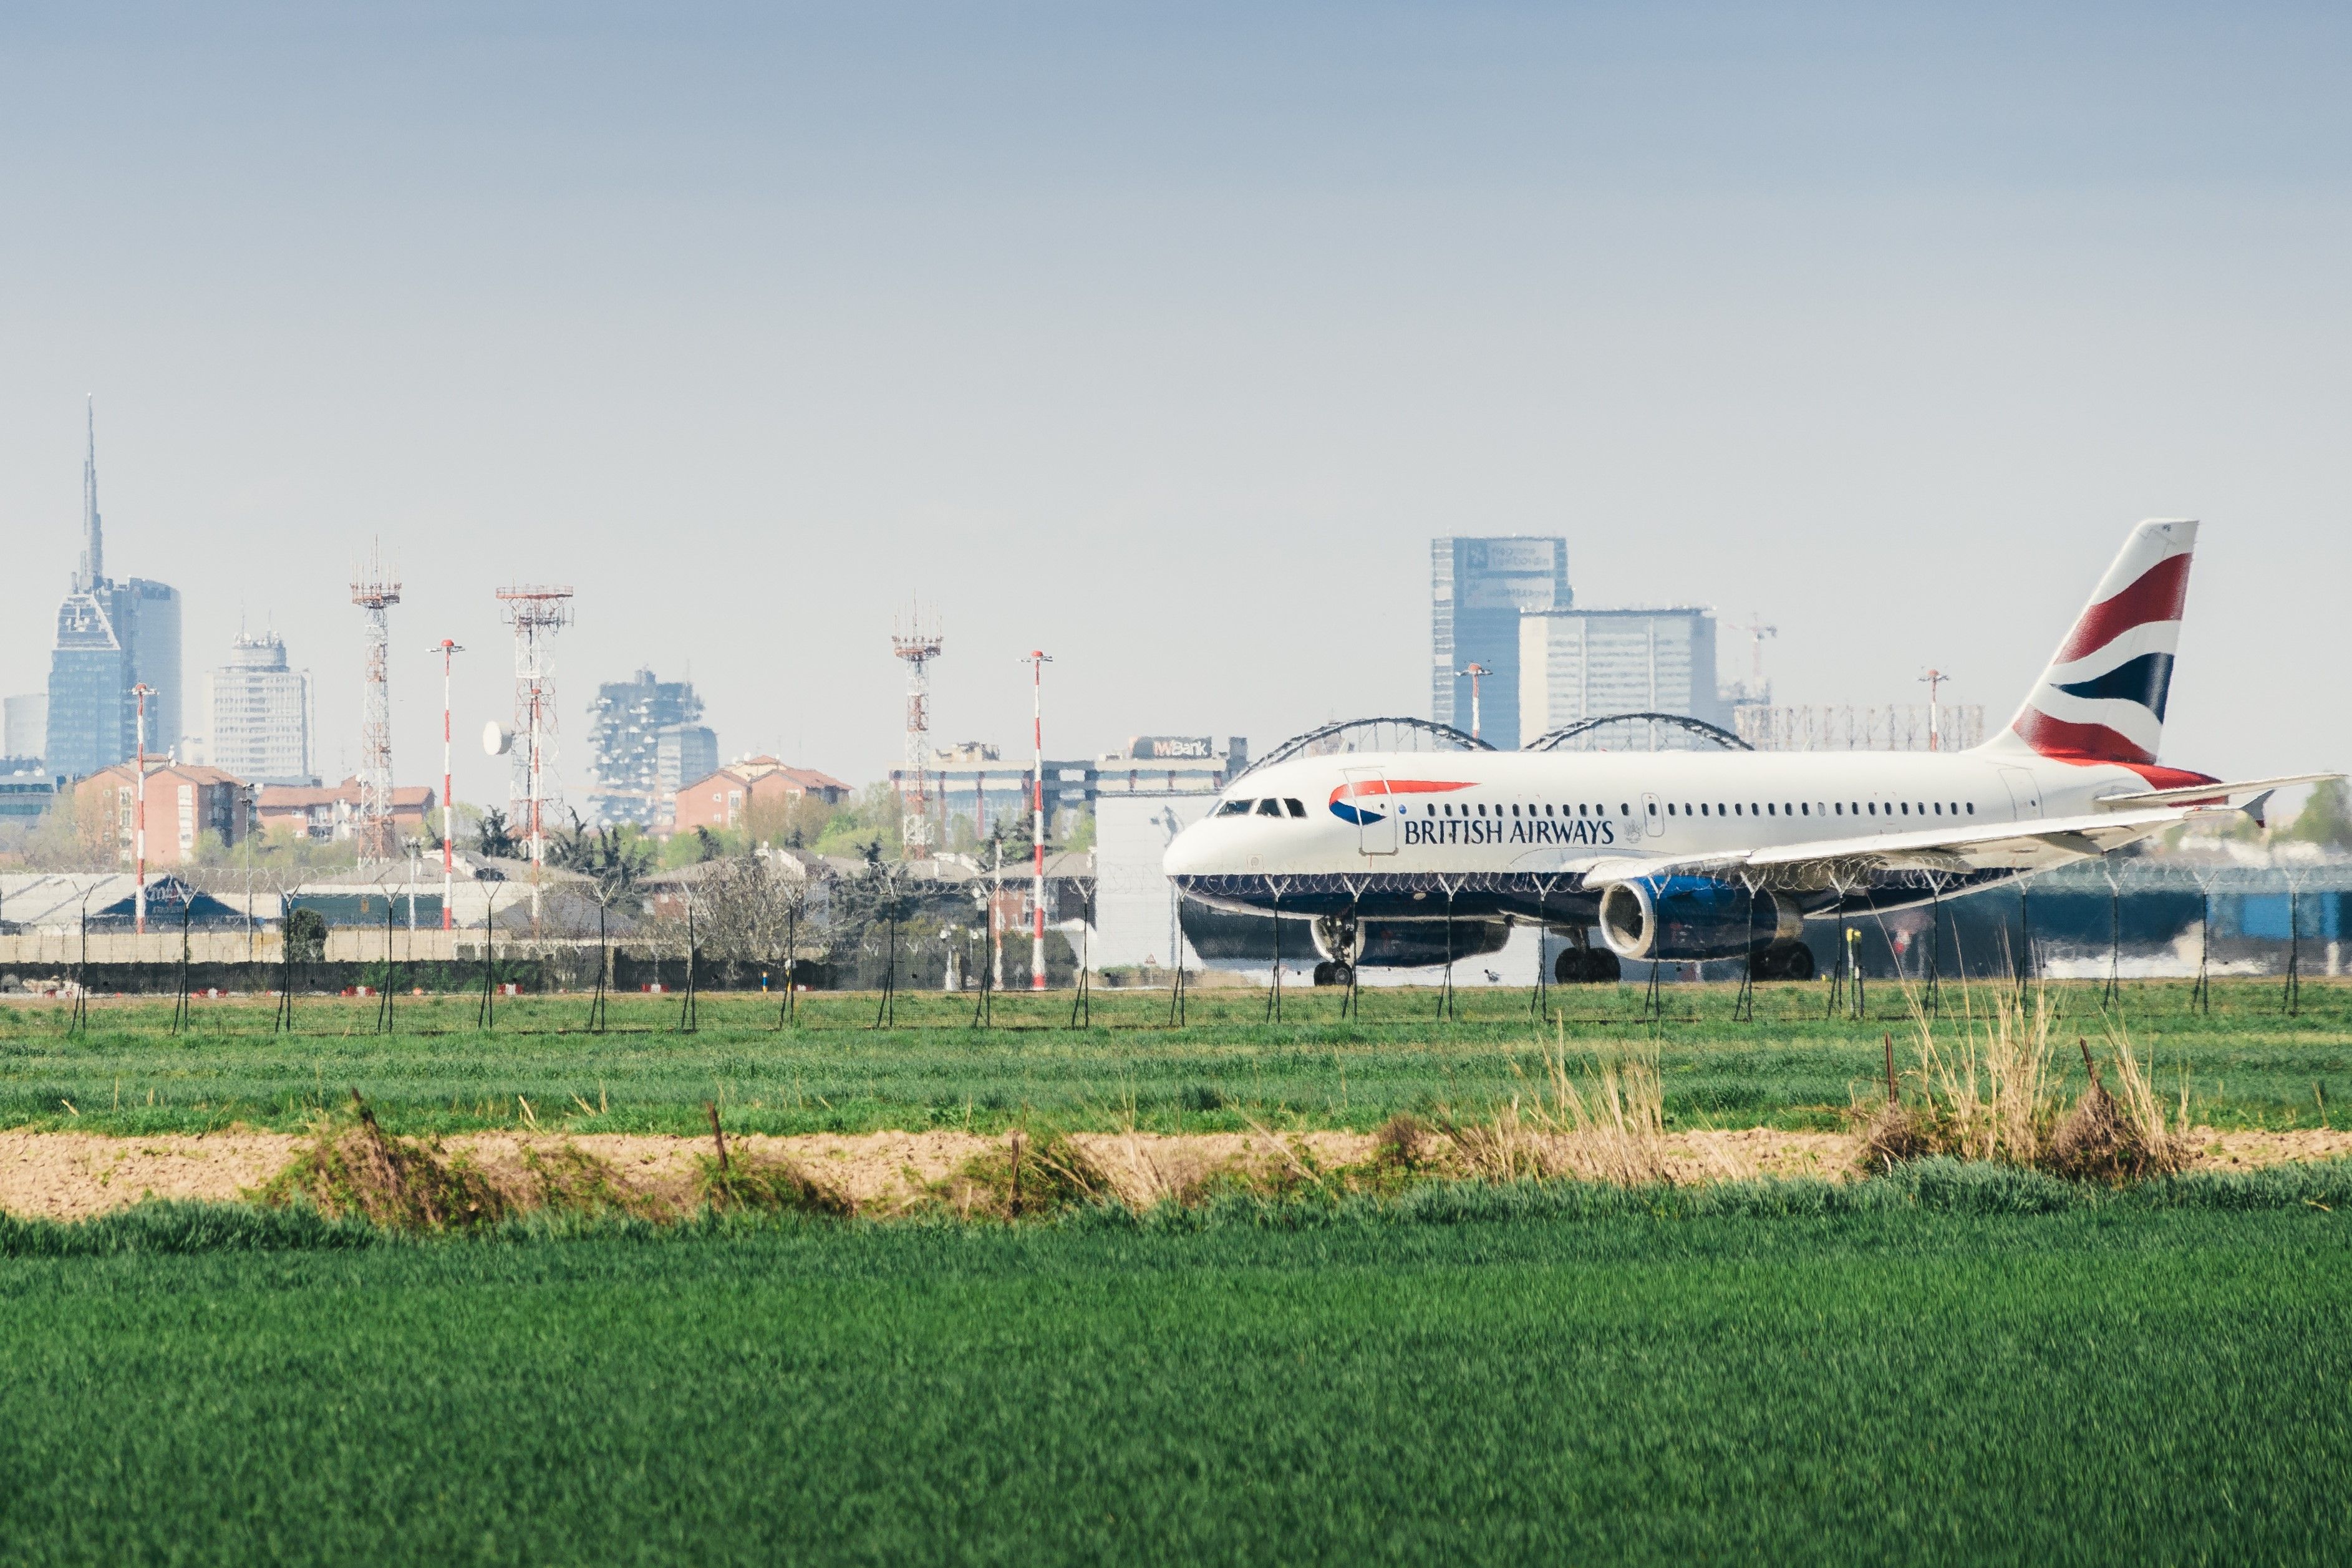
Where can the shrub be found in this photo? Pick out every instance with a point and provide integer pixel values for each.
(354, 1168)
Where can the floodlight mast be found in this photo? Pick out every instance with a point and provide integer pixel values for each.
(1475, 672)
(1037, 661)
(1934, 681)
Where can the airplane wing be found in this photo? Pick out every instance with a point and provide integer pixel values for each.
(1825, 863)
(2216, 790)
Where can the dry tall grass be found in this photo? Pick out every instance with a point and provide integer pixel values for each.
(2125, 1135)
(766, 1185)
(354, 1167)
(1990, 1092)
(1609, 1128)
(1029, 1177)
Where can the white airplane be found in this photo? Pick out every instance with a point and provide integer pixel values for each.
(1408, 859)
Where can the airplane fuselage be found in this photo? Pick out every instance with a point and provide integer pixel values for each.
(1681, 855)
(1406, 834)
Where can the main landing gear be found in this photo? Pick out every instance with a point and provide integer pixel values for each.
(1585, 967)
(1794, 961)
(1332, 972)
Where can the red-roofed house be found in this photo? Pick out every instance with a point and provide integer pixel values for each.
(724, 799)
(184, 802)
(300, 811)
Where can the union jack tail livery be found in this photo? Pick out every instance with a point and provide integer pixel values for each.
(2102, 697)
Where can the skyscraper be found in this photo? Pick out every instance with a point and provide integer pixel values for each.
(258, 708)
(111, 636)
(1477, 589)
(1589, 664)
(27, 726)
(645, 744)
(683, 754)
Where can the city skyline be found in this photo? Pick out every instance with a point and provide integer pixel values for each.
(115, 679)
(745, 331)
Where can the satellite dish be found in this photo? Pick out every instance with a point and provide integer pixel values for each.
(497, 739)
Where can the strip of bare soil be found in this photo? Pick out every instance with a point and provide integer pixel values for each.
(74, 1175)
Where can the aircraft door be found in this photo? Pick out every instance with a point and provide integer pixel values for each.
(1652, 820)
(2024, 794)
(1366, 793)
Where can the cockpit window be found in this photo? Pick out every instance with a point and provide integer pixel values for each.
(1234, 808)
(1269, 807)
(1297, 806)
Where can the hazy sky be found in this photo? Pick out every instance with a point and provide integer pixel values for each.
(1164, 338)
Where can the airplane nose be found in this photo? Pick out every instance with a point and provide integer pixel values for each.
(1183, 856)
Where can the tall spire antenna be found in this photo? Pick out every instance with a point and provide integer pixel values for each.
(93, 542)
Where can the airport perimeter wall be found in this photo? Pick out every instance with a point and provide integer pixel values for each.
(531, 973)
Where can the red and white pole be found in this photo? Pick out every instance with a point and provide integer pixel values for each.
(1473, 671)
(138, 818)
(1038, 663)
(448, 802)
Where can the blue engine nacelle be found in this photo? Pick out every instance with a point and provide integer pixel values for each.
(1678, 919)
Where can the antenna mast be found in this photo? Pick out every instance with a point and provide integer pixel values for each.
(374, 593)
(536, 611)
(918, 642)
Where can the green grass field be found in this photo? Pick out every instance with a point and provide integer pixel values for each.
(2247, 1062)
(1921, 1370)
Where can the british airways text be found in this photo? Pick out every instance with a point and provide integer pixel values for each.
(1511, 830)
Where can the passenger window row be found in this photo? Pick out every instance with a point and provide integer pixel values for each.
(1292, 806)
(1830, 809)
(1582, 808)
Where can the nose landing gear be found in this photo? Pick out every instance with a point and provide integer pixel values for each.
(1343, 938)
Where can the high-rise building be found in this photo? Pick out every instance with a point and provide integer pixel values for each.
(111, 637)
(27, 727)
(644, 745)
(1590, 664)
(682, 754)
(1478, 590)
(259, 712)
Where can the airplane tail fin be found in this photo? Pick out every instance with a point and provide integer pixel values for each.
(2101, 699)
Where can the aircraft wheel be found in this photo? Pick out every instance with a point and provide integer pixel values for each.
(1323, 972)
(1585, 967)
(1343, 973)
(1784, 963)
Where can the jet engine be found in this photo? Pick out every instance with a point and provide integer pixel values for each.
(1680, 919)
